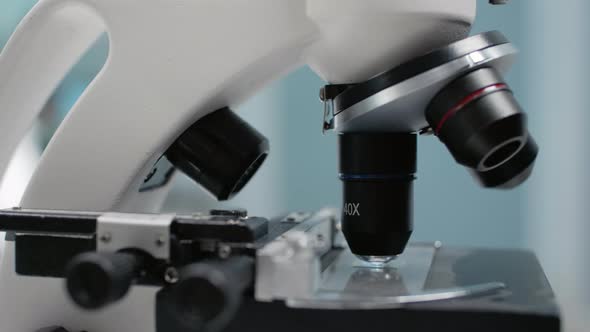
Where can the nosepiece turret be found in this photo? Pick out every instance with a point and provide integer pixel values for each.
(456, 92)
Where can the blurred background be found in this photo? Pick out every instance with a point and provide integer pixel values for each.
(546, 214)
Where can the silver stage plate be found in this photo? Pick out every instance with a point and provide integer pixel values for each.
(349, 283)
(310, 266)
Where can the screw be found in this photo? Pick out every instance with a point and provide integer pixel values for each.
(160, 241)
(106, 237)
(171, 275)
(426, 131)
(224, 251)
(320, 241)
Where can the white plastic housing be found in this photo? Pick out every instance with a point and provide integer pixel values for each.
(173, 61)
(170, 63)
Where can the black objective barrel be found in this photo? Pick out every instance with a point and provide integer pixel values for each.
(377, 172)
(481, 123)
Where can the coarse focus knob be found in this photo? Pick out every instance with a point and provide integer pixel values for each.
(94, 280)
(221, 152)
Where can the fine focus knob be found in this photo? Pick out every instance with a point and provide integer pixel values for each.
(207, 295)
(94, 280)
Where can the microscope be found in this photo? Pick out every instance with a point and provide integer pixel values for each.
(87, 249)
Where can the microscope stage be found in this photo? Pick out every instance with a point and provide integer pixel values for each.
(487, 290)
(295, 273)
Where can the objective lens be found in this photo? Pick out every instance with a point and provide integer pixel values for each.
(484, 128)
(377, 172)
(376, 261)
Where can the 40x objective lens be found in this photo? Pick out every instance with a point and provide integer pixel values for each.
(377, 173)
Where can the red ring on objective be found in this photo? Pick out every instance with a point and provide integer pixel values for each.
(473, 96)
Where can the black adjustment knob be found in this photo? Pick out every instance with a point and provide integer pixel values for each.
(221, 152)
(94, 280)
(206, 297)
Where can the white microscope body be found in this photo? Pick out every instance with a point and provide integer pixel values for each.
(171, 62)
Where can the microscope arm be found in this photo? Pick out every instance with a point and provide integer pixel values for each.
(172, 63)
(145, 97)
(48, 42)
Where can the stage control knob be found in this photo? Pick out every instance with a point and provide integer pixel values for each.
(94, 280)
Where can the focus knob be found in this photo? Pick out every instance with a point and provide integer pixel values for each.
(206, 297)
(94, 280)
(221, 152)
